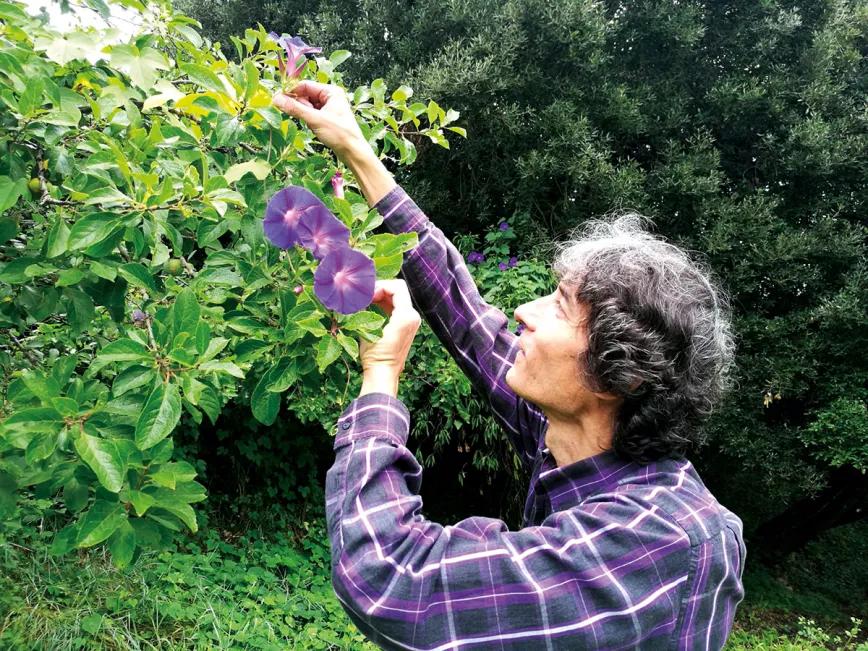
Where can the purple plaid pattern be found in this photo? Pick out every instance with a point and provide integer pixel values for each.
(612, 554)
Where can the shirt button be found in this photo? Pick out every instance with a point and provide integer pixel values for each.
(345, 425)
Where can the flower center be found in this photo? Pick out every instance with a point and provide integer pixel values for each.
(291, 215)
(340, 278)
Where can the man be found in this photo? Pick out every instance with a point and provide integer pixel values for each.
(622, 544)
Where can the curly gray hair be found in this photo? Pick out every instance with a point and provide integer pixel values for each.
(659, 333)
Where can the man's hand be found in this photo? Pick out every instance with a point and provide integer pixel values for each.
(383, 361)
(326, 110)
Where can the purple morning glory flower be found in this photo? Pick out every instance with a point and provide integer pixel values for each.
(284, 212)
(344, 281)
(502, 266)
(513, 261)
(320, 232)
(295, 51)
(338, 185)
(503, 226)
(475, 257)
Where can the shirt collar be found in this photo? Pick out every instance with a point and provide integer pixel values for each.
(568, 485)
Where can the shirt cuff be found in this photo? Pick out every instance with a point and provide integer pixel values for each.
(373, 415)
(400, 213)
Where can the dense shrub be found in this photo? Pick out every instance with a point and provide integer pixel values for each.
(137, 292)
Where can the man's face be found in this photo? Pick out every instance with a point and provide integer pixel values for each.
(546, 370)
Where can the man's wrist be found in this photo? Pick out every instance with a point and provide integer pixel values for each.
(357, 153)
(379, 380)
(372, 176)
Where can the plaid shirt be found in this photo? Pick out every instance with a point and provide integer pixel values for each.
(612, 554)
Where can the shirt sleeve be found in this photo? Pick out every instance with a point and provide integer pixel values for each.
(475, 333)
(611, 574)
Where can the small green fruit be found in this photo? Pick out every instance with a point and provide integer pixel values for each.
(35, 186)
(173, 267)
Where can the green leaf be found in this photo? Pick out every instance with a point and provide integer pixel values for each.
(10, 191)
(99, 522)
(92, 229)
(122, 545)
(132, 378)
(92, 623)
(365, 320)
(222, 366)
(327, 351)
(68, 277)
(107, 196)
(338, 57)
(42, 386)
(170, 474)
(136, 275)
(286, 378)
(66, 406)
(123, 350)
(141, 65)
(141, 501)
(215, 347)
(103, 270)
(349, 344)
(40, 419)
(264, 403)
(203, 77)
(210, 403)
(64, 540)
(251, 80)
(75, 494)
(169, 501)
(160, 415)
(104, 458)
(40, 447)
(186, 312)
(386, 244)
(402, 93)
(388, 266)
(259, 168)
(57, 241)
(79, 310)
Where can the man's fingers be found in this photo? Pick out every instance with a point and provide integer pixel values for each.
(296, 108)
(318, 94)
(393, 293)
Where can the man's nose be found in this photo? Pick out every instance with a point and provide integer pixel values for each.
(526, 313)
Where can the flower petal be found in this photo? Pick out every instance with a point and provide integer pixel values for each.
(345, 280)
(283, 213)
(320, 232)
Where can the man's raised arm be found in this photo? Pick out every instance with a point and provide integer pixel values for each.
(475, 333)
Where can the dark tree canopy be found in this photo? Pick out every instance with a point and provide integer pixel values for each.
(739, 128)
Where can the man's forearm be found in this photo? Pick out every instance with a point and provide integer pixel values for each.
(374, 179)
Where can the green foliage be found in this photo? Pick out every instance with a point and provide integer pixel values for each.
(138, 296)
(231, 591)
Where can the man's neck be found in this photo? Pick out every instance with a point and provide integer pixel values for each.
(571, 439)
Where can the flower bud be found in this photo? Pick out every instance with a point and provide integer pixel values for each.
(338, 185)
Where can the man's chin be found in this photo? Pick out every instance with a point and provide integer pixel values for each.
(512, 383)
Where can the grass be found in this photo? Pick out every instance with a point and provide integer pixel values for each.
(226, 591)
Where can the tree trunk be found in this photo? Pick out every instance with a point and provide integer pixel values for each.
(843, 501)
